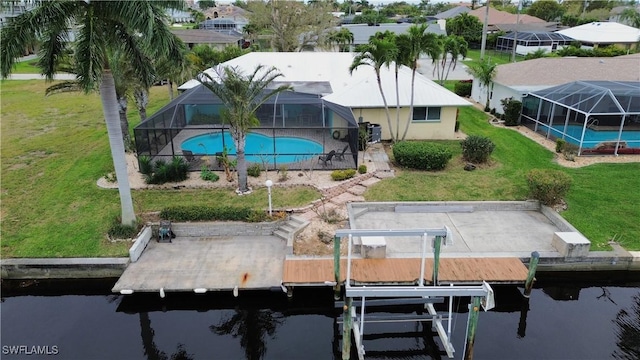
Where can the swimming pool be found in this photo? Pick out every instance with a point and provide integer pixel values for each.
(258, 147)
(593, 137)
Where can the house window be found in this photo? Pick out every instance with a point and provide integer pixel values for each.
(426, 114)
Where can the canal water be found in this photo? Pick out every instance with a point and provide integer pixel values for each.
(565, 318)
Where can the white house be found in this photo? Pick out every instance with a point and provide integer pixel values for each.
(518, 79)
(327, 75)
(597, 34)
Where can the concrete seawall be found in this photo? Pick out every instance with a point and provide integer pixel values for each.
(66, 268)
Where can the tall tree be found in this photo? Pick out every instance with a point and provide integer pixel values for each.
(631, 16)
(377, 53)
(548, 10)
(484, 71)
(452, 48)
(242, 95)
(467, 26)
(137, 28)
(294, 25)
(416, 42)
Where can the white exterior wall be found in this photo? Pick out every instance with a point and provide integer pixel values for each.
(524, 50)
(436, 130)
(479, 94)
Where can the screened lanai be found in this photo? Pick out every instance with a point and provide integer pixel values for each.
(597, 117)
(530, 41)
(294, 130)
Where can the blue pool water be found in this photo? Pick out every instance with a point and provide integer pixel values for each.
(592, 137)
(257, 147)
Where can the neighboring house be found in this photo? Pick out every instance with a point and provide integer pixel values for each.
(362, 32)
(497, 18)
(214, 39)
(532, 41)
(231, 12)
(616, 12)
(451, 13)
(327, 75)
(597, 34)
(518, 79)
(179, 16)
(221, 25)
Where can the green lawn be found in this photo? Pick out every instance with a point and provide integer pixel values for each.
(26, 67)
(602, 204)
(498, 57)
(54, 149)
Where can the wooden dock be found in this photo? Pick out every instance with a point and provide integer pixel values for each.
(398, 271)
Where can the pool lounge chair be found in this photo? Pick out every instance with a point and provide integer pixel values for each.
(327, 158)
(340, 155)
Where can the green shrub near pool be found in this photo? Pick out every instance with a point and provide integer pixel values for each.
(421, 155)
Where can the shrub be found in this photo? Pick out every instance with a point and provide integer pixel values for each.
(362, 169)
(208, 175)
(119, 231)
(512, 110)
(477, 149)
(175, 171)
(209, 213)
(560, 144)
(338, 175)
(548, 186)
(254, 170)
(283, 174)
(421, 155)
(146, 167)
(462, 88)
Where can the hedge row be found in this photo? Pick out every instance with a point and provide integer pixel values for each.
(421, 155)
(210, 213)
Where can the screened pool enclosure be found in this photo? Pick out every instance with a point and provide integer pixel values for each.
(295, 130)
(597, 117)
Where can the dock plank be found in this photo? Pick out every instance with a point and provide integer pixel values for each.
(406, 270)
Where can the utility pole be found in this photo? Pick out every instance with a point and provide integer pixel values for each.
(515, 33)
(484, 30)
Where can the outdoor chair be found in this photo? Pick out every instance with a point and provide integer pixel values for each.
(340, 155)
(327, 158)
(165, 232)
(188, 155)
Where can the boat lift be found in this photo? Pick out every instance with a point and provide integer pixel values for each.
(481, 295)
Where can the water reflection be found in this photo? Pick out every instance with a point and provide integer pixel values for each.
(565, 318)
(628, 322)
(251, 326)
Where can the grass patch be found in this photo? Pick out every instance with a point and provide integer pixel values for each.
(26, 67)
(53, 151)
(498, 57)
(602, 202)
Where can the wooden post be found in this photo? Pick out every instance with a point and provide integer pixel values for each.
(472, 325)
(336, 267)
(346, 328)
(436, 258)
(533, 264)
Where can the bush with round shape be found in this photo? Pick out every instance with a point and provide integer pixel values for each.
(548, 186)
(477, 149)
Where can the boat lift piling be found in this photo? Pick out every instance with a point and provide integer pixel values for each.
(427, 295)
(533, 265)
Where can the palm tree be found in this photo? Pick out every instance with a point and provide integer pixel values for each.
(452, 48)
(242, 96)
(377, 53)
(413, 44)
(137, 28)
(484, 71)
(631, 16)
(251, 326)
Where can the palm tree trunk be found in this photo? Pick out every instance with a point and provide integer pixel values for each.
(124, 121)
(110, 108)
(170, 85)
(397, 106)
(488, 94)
(386, 106)
(243, 187)
(141, 97)
(413, 80)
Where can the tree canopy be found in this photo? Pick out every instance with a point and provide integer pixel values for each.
(548, 10)
(467, 26)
